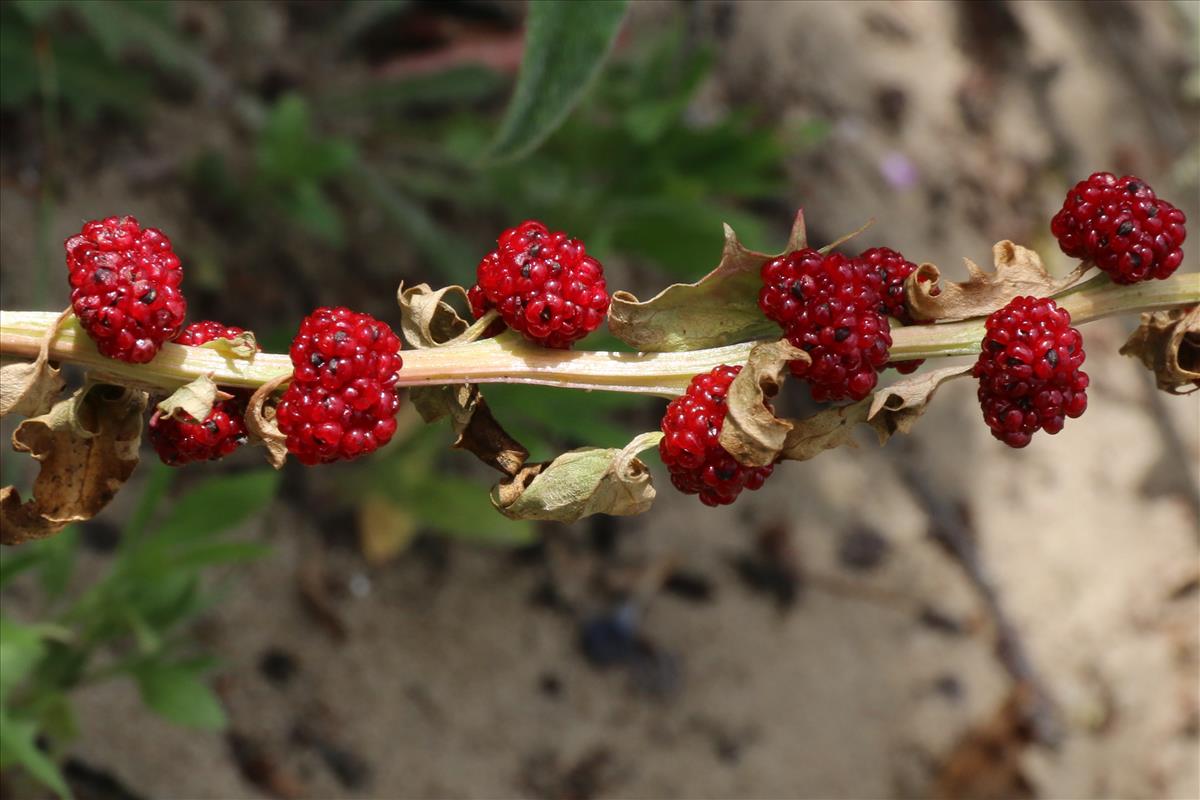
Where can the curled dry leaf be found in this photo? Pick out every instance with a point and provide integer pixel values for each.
(88, 447)
(721, 308)
(580, 483)
(192, 402)
(752, 433)
(756, 437)
(1019, 272)
(29, 388)
(1168, 344)
(261, 425)
(244, 345)
(429, 320)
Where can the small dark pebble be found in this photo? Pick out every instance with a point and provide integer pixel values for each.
(610, 638)
(550, 685)
(863, 549)
(689, 586)
(277, 666)
(769, 578)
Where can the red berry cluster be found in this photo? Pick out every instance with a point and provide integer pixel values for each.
(1121, 226)
(180, 442)
(544, 285)
(1029, 370)
(125, 287)
(893, 269)
(691, 446)
(342, 401)
(829, 306)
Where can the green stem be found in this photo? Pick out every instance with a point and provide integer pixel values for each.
(510, 359)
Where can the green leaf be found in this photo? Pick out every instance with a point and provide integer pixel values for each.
(18, 745)
(58, 561)
(565, 45)
(21, 648)
(177, 692)
(13, 564)
(218, 504)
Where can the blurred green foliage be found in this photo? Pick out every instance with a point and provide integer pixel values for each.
(633, 170)
(126, 622)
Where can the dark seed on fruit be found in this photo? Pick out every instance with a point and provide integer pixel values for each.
(1014, 362)
(726, 474)
(1135, 259)
(797, 290)
(1152, 212)
(212, 427)
(1134, 187)
(1125, 228)
(102, 275)
(841, 334)
(994, 345)
(535, 250)
(149, 296)
(1052, 357)
(333, 365)
(316, 359)
(546, 314)
(339, 336)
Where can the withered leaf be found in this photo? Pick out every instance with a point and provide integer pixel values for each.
(244, 345)
(193, 402)
(1168, 344)
(88, 447)
(29, 388)
(825, 430)
(491, 444)
(752, 433)
(580, 483)
(427, 319)
(261, 425)
(896, 408)
(1019, 271)
(720, 308)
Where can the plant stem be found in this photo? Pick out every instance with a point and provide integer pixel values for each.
(510, 359)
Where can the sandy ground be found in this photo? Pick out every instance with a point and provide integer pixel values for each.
(457, 671)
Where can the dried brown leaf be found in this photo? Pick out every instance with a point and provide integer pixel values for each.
(261, 425)
(29, 388)
(88, 447)
(720, 308)
(1168, 344)
(1019, 272)
(193, 402)
(825, 430)
(580, 483)
(752, 433)
(896, 408)
(427, 319)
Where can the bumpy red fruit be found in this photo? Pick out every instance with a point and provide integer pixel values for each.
(544, 285)
(342, 401)
(893, 269)
(691, 446)
(1120, 225)
(828, 305)
(180, 442)
(1029, 370)
(125, 287)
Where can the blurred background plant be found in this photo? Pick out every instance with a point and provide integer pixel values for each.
(390, 162)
